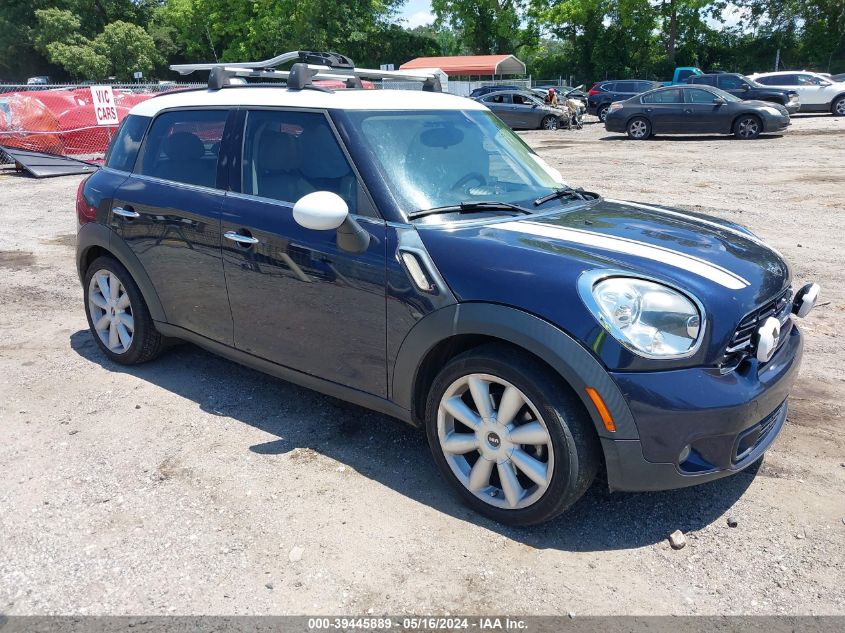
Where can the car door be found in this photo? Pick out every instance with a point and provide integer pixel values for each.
(733, 85)
(665, 110)
(526, 112)
(168, 212)
(502, 107)
(702, 114)
(297, 298)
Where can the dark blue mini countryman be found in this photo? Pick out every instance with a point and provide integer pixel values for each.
(408, 253)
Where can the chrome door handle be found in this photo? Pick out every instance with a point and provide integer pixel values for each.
(125, 213)
(240, 239)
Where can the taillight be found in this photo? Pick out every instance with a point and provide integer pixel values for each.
(84, 212)
(594, 90)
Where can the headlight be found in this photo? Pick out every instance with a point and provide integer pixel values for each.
(771, 110)
(648, 318)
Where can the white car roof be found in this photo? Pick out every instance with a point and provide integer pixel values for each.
(783, 72)
(262, 96)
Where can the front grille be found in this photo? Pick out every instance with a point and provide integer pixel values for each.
(740, 343)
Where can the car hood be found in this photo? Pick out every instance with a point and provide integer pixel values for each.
(534, 262)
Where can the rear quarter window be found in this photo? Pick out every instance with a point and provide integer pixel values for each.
(124, 146)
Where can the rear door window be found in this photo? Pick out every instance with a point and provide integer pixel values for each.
(664, 96)
(123, 149)
(628, 87)
(731, 82)
(183, 146)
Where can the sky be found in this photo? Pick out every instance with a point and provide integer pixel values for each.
(417, 13)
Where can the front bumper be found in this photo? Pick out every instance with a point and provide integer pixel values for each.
(776, 123)
(793, 106)
(728, 421)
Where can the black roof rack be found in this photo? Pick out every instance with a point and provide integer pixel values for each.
(308, 66)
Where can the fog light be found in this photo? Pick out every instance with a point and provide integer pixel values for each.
(805, 299)
(684, 454)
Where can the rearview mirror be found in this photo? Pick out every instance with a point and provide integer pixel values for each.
(320, 211)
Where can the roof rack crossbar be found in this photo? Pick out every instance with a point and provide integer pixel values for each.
(320, 65)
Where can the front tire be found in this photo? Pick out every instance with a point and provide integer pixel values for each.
(510, 436)
(838, 107)
(748, 127)
(549, 122)
(118, 316)
(638, 128)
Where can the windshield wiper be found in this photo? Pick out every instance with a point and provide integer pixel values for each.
(563, 192)
(470, 207)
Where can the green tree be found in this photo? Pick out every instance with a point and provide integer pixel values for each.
(128, 48)
(120, 50)
(486, 26)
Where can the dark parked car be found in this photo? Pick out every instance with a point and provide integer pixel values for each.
(749, 90)
(480, 92)
(694, 110)
(416, 257)
(604, 93)
(523, 110)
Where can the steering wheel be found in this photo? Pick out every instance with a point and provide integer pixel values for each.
(468, 178)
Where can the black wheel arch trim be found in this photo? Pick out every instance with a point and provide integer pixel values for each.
(93, 235)
(555, 347)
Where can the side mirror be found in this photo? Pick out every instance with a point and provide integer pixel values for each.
(719, 101)
(320, 211)
(325, 211)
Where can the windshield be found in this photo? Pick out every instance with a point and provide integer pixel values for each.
(438, 158)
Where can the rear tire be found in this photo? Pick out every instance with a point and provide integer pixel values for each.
(118, 316)
(748, 127)
(838, 107)
(549, 122)
(530, 466)
(602, 113)
(639, 128)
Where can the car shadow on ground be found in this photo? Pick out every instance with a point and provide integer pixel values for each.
(689, 137)
(397, 456)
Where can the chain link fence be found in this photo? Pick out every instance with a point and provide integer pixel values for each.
(61, 119)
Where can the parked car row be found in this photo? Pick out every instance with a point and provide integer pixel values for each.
(698, 109)
(797, 91)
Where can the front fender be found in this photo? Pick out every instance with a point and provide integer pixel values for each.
(93, 235)
(563, 353)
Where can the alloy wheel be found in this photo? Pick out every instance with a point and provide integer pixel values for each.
(749, 128)
(111, 311)
(550, 123)
(840, 107)
(638, 128)
(495, 441)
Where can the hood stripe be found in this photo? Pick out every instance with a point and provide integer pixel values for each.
(695, 219)
(632, 247)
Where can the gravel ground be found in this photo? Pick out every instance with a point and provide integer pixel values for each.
(192, 485)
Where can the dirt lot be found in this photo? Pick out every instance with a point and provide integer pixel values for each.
(192, 485)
